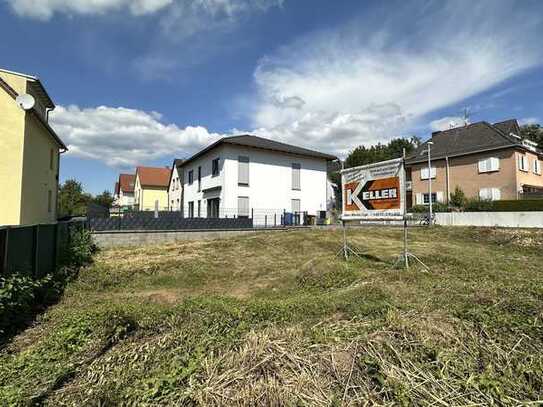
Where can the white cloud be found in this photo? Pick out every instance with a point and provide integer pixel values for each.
(190, 13)
(45, 9)
(437, 57)
(123, 137)
(447, 122)
(529, 120)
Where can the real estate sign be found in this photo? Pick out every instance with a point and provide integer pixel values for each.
(374, 190)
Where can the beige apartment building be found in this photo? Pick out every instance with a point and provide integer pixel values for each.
(488, 161)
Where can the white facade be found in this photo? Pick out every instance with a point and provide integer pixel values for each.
(175, 191)
(272, 186)
(124, 199)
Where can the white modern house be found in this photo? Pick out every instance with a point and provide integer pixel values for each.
(175, 188)
(251, 176)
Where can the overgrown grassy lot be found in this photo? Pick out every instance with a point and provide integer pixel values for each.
(276, 319)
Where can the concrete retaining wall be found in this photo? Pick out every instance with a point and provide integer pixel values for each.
(500, 219)
(146, 237)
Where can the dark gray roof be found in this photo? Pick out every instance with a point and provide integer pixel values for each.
(248, 140)
(476, 137)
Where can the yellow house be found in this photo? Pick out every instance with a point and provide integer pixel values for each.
(30, 151)
(151, 186)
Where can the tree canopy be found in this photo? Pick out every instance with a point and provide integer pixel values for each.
(362, 155)
(533, 132)
(73, 200)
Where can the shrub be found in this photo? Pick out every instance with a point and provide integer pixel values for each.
(21, 296)
(458, 198)
(478, 205)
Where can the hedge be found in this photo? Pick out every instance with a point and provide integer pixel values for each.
(476, 205)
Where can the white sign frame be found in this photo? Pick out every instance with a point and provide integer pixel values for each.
(372, 172)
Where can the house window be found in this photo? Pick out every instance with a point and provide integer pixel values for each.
(243, 170)
(49, 201)
(295, 205)
(296, 167)
(191, 177)
(199, 179)
(191, 209)
(426, 198)
(243, 206)
(490, 194)
(51, 159)
(215, 167)
(424, 173)
(199, 208)
(537, 167)
(489, 164)
(523, 162)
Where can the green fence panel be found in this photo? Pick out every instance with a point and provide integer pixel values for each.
(21, 250)
(46, 250)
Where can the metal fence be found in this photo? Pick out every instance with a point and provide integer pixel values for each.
(191, 218)
(34, 250)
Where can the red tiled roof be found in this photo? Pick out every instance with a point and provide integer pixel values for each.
(154, 177)
(126, 182)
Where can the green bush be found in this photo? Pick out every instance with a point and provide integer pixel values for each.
(527, 205)
(21, 296)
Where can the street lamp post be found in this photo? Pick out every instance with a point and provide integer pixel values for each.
(430, 143)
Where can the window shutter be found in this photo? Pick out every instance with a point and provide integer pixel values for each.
(295, 205)
(439, 196)
(296, 176)
(496, 194)
(483, 193)
(495, 164)
(424, 173)
(243, 170)
(482, 165)
(243, 206)
(433, 172)
(418, 199)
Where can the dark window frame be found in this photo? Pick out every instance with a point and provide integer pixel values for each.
(215, 167)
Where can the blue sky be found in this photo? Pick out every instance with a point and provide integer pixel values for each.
(139, 82)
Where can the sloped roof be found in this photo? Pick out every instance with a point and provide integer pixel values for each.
(153, 176)
(262, 143)
(127, 182)
(476, 137)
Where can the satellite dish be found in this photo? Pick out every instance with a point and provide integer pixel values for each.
(25, 102)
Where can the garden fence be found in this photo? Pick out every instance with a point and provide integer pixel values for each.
(34, 250)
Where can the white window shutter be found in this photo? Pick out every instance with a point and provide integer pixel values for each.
(296, 169)
(418, 199)
(495, 163)
(482, 165)
(433, 172)
(496, 194)
(243, 170)
(424, 173)
(483, 193)
(439, 196)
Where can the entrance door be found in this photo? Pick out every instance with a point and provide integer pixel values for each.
(213, 207)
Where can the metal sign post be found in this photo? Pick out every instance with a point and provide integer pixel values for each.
(406, 254)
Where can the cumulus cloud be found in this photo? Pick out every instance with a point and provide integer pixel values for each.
(445, 123)
(123, 137)
(407, 70)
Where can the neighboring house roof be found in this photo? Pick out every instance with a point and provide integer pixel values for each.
(470, 139)
(13, 93)
(127, 182)
(153, 176)
(248, 140)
